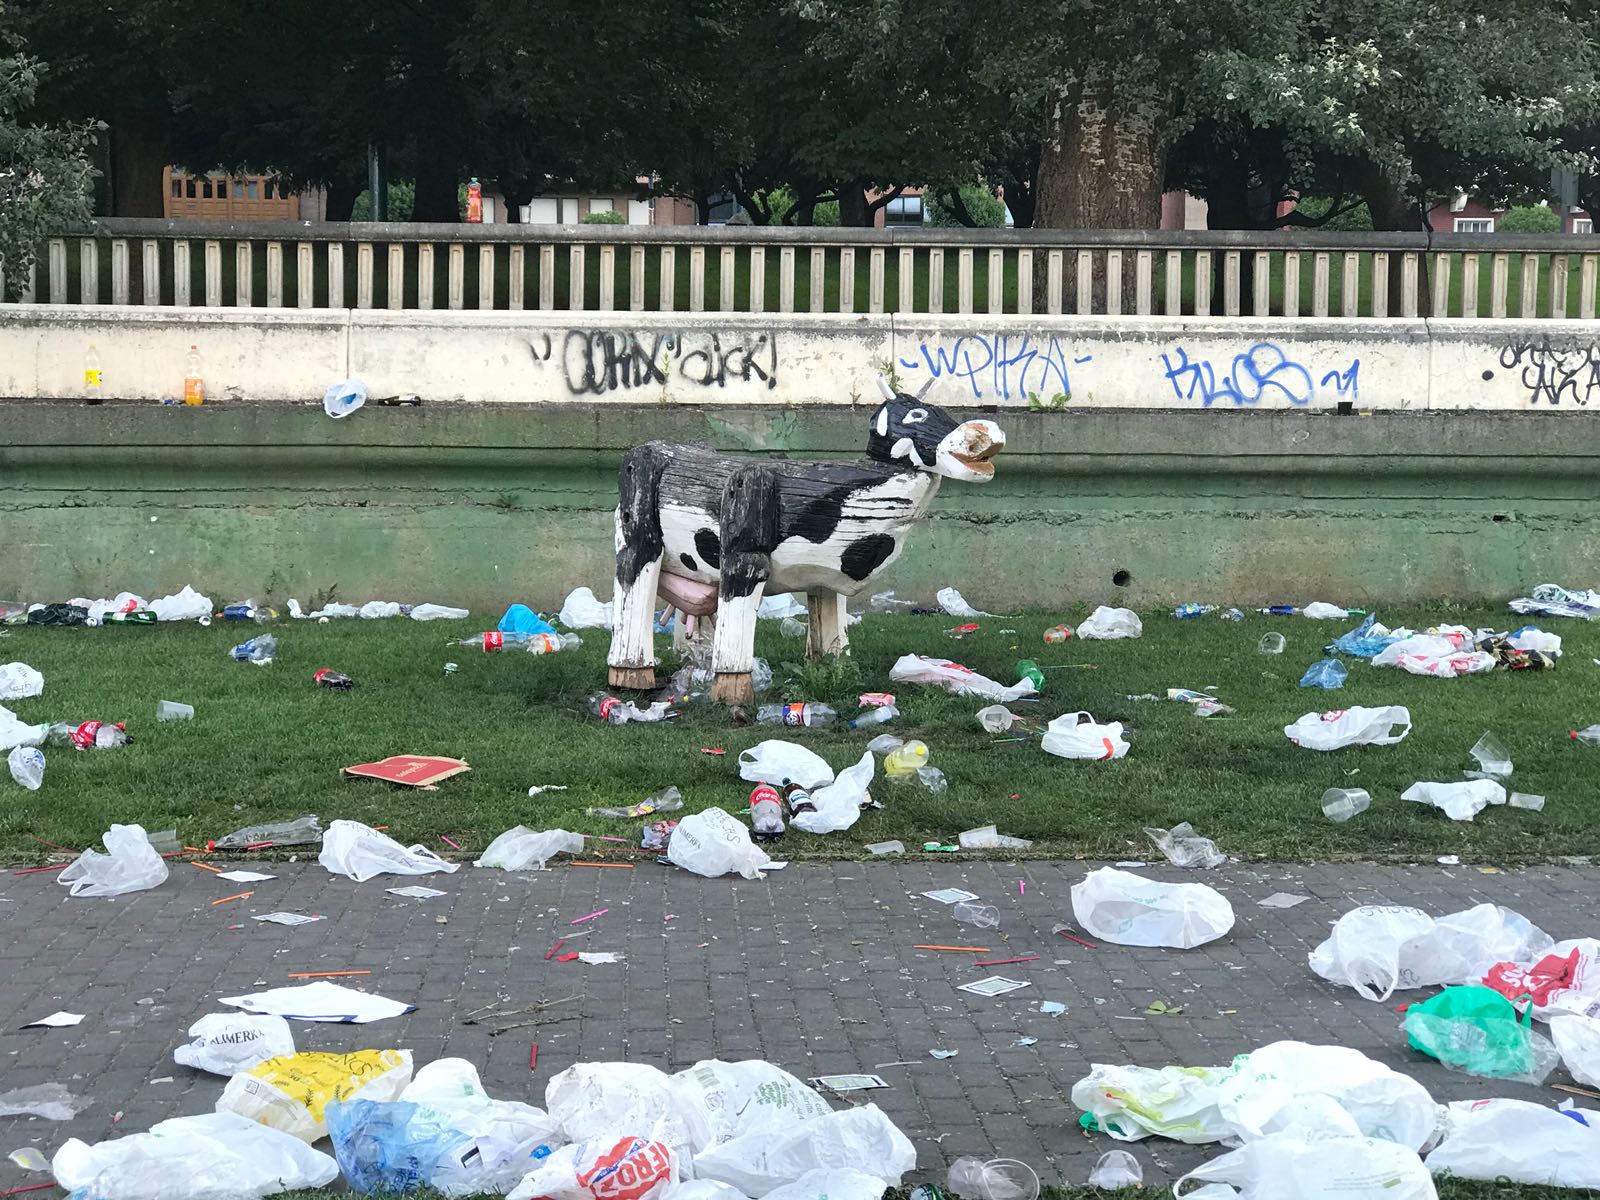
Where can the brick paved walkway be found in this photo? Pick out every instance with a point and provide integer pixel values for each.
(812, 969)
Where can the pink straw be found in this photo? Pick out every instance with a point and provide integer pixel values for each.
(448, 842)
(590, 917)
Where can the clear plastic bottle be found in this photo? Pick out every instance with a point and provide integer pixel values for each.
(813, 716)
(194, 384)
(1057, 634)
(791, 628)
(93, 380)
(259, 650)
(1589, 736)
(669, 800)
(302, 831)
(622, 712)
(904, 761)
(877, 716)
(91, 735)
(533, 643)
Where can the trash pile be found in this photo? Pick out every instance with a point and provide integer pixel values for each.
(716, 1131)
(1446, 651)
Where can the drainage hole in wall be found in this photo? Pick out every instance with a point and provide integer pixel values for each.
(1122, 578)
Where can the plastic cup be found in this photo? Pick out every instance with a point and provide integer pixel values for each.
(983, 916)
(1340, 804)
(1271, 643)
(1493, 758)
(1009, 1179)
(171, 710)
(1525, 800)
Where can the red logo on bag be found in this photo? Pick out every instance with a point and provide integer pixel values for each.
(493, 641)
(631, 1169)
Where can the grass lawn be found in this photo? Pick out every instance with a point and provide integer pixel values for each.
(267, 744)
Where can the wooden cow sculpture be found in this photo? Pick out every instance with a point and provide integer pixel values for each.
(713, 534)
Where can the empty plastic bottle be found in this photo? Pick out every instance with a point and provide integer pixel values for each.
(249, 610)
(93, 380)
(881, 715)
(791, 628)
(91, 735)
(622, 712)
(1279, 610)
(142, 617)
(333, 679)
(259, 650)
(302, 831)
(1184, 611)
(1028, 669)
(813, 716)
(668, 800)
(532, 643)
(766, 813)
(1340, 804)
(1589, 736)
(904, 760)
(194, 384)
(27, 766)
(1057, 634)
(797, 799)
(1233, 614)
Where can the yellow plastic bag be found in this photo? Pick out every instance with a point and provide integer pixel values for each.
(289, 1093)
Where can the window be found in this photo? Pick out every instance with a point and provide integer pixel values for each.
(600, 204)
(903, 210)
(177, 187)
(1582, 225)
(1474, 224)
(721, 208)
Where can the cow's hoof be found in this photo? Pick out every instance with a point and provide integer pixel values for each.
(638, 679)
(733, 689)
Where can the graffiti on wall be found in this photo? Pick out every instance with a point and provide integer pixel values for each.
(1263, 372)
(1000, 366)
(600, 362)
(1554, 373)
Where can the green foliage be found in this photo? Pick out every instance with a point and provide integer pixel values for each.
(1351, 220)
(983, 209)
(44, 172)
(780, 203)
(605, 218)
(1529, 218)
(402, 202)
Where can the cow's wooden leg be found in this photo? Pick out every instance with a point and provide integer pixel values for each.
(825, 626)
(639, 545)
(749, 534)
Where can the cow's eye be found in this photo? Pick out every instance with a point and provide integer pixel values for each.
(915, 417)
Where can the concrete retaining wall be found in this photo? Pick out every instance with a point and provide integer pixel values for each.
(483, 503)
(272, 355)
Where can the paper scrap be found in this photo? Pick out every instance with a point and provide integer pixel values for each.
(1282, 900)
(599, 957)
(1026, 1041)
(774, 866)
(56, 1020)
(994, 985)
(244, 876)
(944, 1053)
(1052, 1008)
(416, 892)
(29, 1159)
(950, 895)
(286, 918)
(849, 1083)
(320, 1001)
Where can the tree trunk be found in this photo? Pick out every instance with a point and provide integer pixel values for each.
(1101, 167)
(1393, 211)
(853, 207)
(436, 194)
(138, 154)
(1019, 200)
(342, 195)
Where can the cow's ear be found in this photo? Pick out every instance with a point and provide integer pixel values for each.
(881, 421)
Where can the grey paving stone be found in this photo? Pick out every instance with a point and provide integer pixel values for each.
(812, 969)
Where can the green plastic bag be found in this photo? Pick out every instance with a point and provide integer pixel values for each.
(1475, 1029)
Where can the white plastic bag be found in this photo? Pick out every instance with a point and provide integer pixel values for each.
(838, 804)
(130, 864)
(610, 1167)
(775, 761)
(1564, 978)
(1130, 1103)
(591, 1101)
(1321, 610)
(831, 1183)
(712, 843)
(18, 681)
(724, 1100)
(954, 603)
(1108, 622)
(227, 1043)
(1350, 727)
(957, 679)
(1520, 1142)
(775, 608)
(15, 732)
(217, 1156)
(703, 1189)
(1118, 906)
(361, 852)
(583, 610)
(859, 1138)
(1278, 1089)
(1577, 1040)
(1331, 1168)
(1078, 735)
(187, 605)
(292, 1093)
(342, 399)
(1378, 948)
(1458, 801)
(522, 849)
(438, 612)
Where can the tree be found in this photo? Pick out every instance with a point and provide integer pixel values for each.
(1530, 218)
(972, 207)
(44, 172)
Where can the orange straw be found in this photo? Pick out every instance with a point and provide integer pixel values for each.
(961, 949)
(624, 866)
(204, 867)
(225, 899)
(324, 974)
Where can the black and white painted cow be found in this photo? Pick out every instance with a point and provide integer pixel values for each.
(714, 534)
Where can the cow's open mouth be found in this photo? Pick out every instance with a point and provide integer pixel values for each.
(978, 463)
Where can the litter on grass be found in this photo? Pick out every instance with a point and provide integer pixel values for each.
(420, 771)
